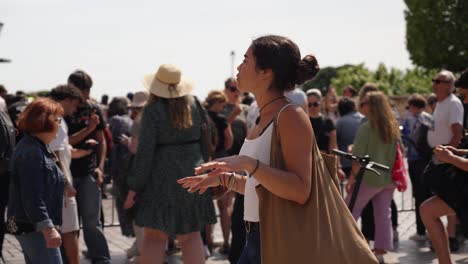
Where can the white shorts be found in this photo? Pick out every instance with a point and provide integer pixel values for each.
(69, 216)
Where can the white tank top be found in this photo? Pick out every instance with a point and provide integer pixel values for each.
(258, 148)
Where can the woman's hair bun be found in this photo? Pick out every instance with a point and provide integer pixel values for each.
(307, 69)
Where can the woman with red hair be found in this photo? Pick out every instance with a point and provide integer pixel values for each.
(37, 185)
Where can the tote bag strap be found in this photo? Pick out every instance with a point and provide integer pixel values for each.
(279, 113)
(276, 155)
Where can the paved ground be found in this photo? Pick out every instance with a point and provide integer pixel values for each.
(406, 251)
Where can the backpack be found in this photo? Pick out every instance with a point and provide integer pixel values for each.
(7, 140)
(417, 138)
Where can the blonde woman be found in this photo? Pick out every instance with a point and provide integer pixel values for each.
(377, 138)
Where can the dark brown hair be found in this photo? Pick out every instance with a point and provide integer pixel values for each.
(179, 110)
(118, 106)
(282, 56)
(80, 80)
(417, 100)
(66, 91)
(39, 116)
(351, 89)
(346, 105)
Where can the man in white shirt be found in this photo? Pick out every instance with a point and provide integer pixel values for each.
(448, 115)
(447, 128)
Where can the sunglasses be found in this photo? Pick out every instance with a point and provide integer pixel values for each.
(233, 89)
(315, 104)
(437, 81)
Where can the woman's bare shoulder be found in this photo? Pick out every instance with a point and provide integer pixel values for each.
(293, 121)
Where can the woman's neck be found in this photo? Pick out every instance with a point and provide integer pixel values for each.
(267, 96)
(43, 137)
(314, 115)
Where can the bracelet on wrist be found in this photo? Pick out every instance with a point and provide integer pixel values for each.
(231, 180)
(225, 181)
(219, 180)
(257, 164)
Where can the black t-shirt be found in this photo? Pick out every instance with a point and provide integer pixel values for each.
(322, 127)
(465, 116)
(221, 124)
(238, 126)
(76, 122)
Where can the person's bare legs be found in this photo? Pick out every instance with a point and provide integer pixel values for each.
(224, 206)
(153, 250)
(71, 246)
(452, 225)
(138, 236)
(209, 235)
(192, 248)
(431, 211)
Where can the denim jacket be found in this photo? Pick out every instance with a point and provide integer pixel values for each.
(36, 185)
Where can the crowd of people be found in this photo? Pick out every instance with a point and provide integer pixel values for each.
(160, 145)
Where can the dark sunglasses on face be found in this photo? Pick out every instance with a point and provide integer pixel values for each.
(233, 89)
(315, 104)
(437, 81)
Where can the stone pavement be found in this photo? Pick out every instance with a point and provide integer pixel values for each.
(405, 252)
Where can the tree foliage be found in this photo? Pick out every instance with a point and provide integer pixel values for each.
(437, 33)
(391, 81)
(355, 76)
(322, 80)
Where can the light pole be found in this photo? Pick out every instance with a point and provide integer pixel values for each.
(3, 60)
(233, 56)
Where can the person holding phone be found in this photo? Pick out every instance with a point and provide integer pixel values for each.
(86, 130)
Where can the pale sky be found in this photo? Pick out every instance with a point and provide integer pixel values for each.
(118, 42)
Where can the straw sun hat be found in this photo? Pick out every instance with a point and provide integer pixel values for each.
(168, 82)
(139, 99)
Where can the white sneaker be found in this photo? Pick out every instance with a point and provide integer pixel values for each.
(418, 237)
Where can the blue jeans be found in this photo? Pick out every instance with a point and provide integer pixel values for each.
(35, 249)
(251, 252)
(88, 198)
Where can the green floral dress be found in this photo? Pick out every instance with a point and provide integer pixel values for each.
(164, 155)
